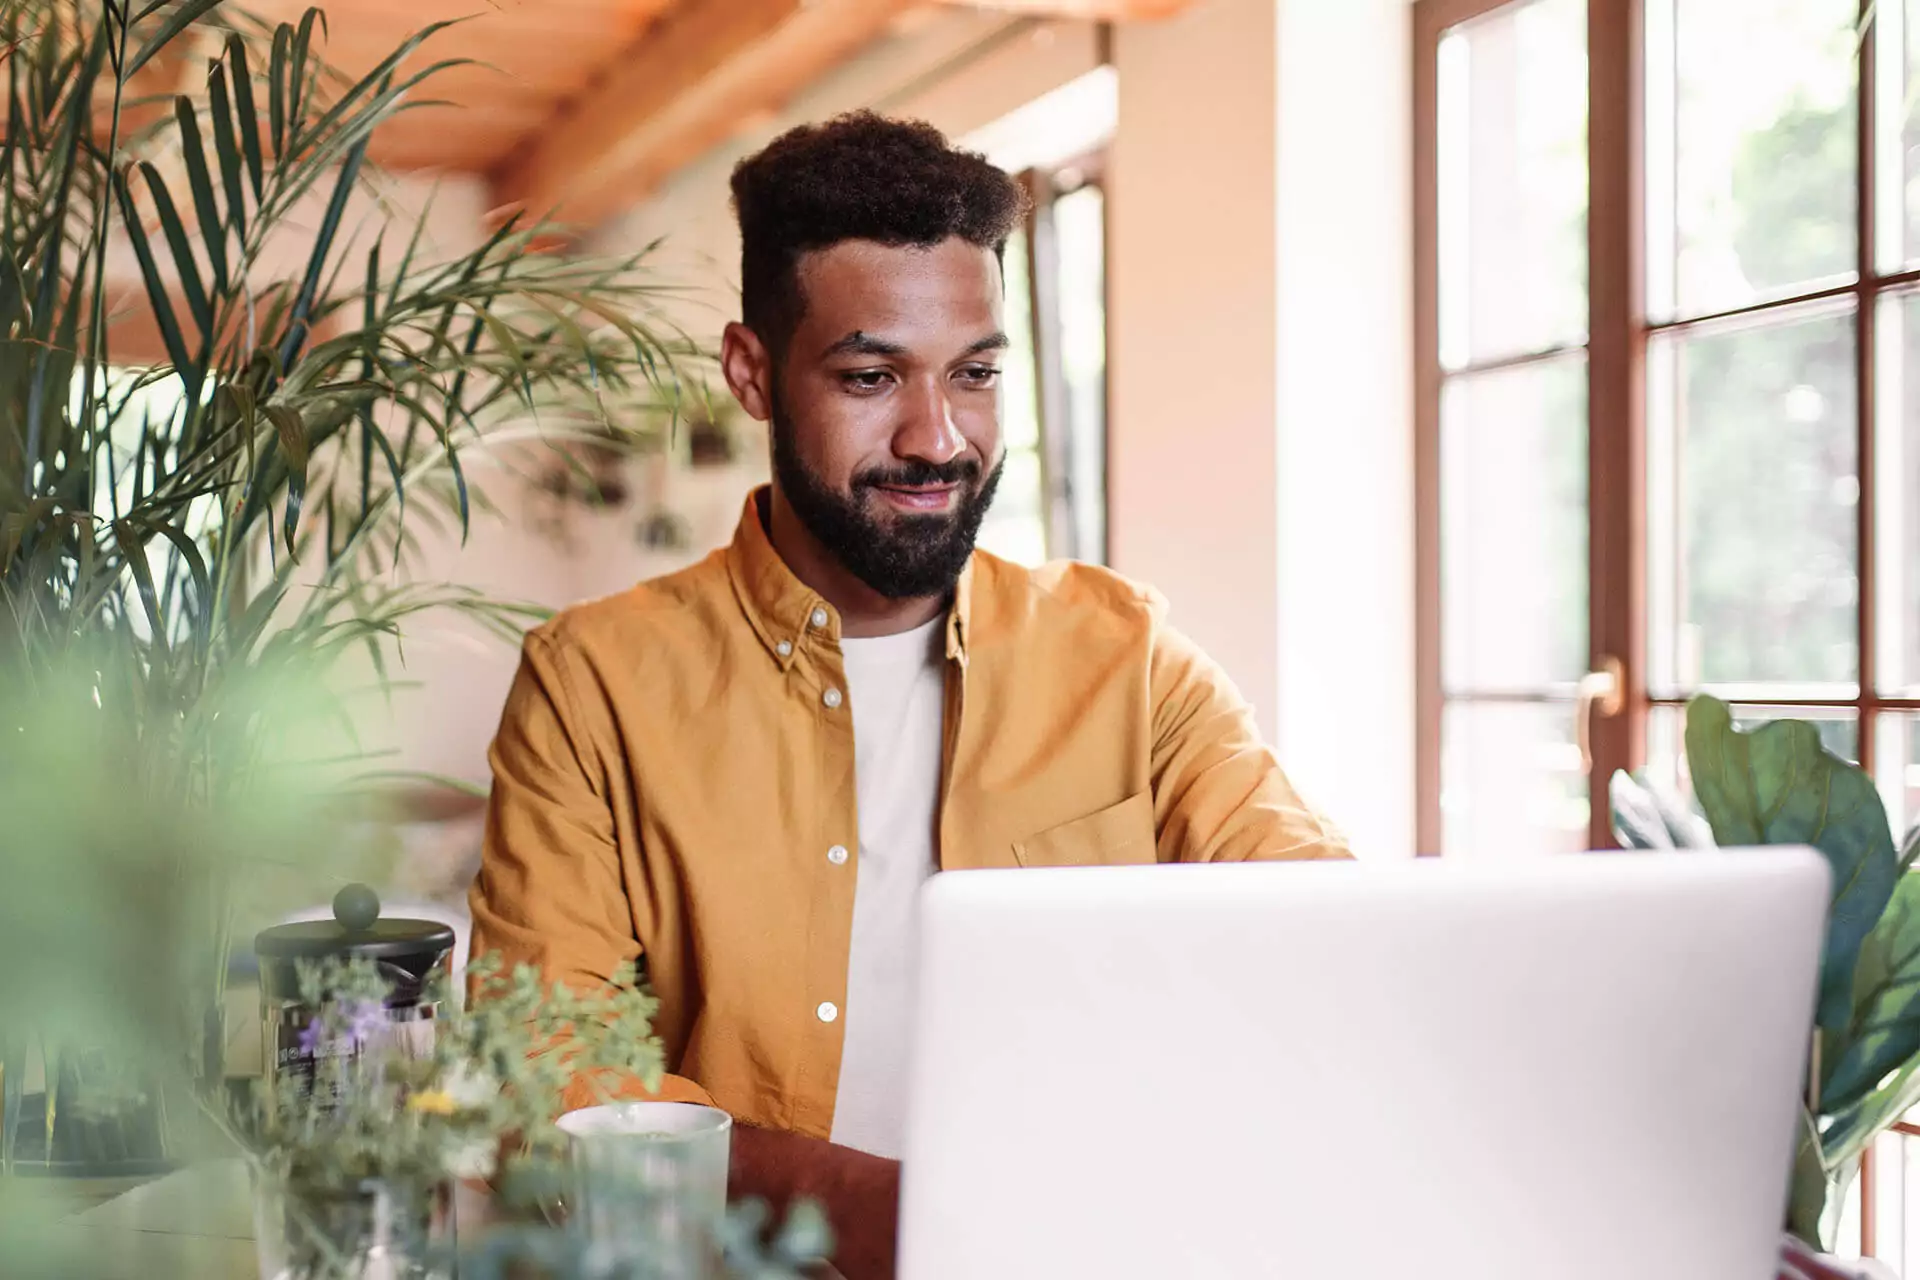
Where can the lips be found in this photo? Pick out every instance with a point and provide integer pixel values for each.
(919, 498)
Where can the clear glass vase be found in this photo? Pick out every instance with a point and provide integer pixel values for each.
(368, 1230)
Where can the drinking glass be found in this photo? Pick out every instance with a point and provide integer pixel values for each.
(649, 1184)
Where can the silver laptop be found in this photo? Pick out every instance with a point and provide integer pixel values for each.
(1572, 1068)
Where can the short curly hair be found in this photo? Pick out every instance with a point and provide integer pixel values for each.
(859, 176)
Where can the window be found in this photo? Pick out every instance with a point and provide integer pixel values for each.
(1669, 437)
(1052, 499)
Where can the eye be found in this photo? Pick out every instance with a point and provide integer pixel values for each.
(865, 381)
(980, 376)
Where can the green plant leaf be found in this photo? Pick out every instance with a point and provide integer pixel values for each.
(1807, 1200)
(183, 16)
(200, 181)
(1851, 1130)
(244, 109)
(300, 74)
(135, 551)
(1779, 785)
(294, 444)
(201, 579)
(184, 264)
(276, 87)
(226, 148)
(157, 298)
(1884, 1032)
(298, 324)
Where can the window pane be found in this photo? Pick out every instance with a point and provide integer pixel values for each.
(1897, 761)
(1511, 782)
(1080, 223)
(1019, 393)
(1752, 161)
(1513, 181)
(1897, 476)
(1899, 131)
(1015, 527)
(1753, 494)
(1513, 501)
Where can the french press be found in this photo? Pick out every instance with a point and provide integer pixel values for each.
(297, 1038)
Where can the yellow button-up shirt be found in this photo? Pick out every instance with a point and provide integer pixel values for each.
(674, 773)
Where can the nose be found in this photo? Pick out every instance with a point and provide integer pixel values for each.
(928, 432)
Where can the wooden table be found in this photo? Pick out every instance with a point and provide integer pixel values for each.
(197, 1224)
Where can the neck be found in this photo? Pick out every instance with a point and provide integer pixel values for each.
(864, 612)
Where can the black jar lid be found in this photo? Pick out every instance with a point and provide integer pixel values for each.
(358, 930)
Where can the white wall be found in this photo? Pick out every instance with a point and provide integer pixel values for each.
(1191, 330)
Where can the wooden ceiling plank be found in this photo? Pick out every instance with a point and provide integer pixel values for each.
(683, 89)
(1091, 10)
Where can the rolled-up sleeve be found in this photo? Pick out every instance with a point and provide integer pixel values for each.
(1219, 794)
(550, 891)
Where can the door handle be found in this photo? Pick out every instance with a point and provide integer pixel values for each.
(1603, 692)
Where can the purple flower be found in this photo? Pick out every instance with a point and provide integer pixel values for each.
(365, 1020)
(311, 1036)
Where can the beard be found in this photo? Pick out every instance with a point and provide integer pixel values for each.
(900, 556)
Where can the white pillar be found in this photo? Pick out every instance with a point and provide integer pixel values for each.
(1261, 339)
(1192, 449)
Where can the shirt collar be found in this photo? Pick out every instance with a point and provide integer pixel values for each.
(784, 610)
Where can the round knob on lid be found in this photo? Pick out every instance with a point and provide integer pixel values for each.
(356, 907)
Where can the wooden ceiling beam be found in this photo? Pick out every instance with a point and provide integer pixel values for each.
(694, 76)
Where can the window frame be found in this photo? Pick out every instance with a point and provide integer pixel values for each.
(1619, 334)
(1044, 186)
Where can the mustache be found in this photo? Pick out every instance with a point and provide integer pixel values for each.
(919, 474)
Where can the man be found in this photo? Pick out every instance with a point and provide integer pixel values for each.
(742, 773)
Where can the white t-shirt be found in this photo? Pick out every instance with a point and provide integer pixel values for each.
(896, 685)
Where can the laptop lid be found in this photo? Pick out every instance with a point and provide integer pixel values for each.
(1573, 1067)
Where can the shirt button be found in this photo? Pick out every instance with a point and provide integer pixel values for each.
(818, 618)
(831, 697)
(827, 1011)
(784, 648)
(837, 855)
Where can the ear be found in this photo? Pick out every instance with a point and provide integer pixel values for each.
(748, 370)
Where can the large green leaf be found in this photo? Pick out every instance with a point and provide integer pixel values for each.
(1807, 1199)
(1883, 1034)
(1778, 785)
(1850, 1131)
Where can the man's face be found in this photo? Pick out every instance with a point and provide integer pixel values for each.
(886, 409)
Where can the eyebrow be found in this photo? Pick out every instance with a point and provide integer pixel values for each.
(861, 343)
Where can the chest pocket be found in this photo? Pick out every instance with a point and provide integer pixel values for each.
(1118, 835)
